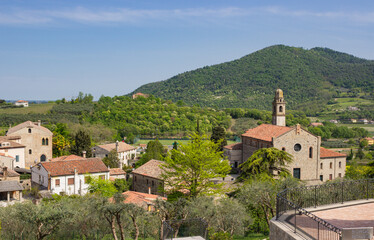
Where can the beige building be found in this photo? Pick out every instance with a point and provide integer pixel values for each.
(147, 178)
(310, 162)
(37, 140)
(126, 153)
(12, 153)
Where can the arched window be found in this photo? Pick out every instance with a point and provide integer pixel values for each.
(46, 141)
(310, 152)
(43, 141)
(43, 158)
(29, 130)
(30, 151)
(280, 109)
(321, 165)
(330, 164)
(340, 164)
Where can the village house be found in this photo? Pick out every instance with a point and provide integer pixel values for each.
(22, 103)
(12, 153)
(147, 178)
(316, 124)
(139, 95)
(36, 139)
(126, 153)
(117, 173)
(68, 176)
(10, 187)
(143, 200)
(310, 162)
(369, 139)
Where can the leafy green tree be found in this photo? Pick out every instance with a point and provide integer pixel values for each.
(155, 150)
(219, 136)
(101, 187)
(112, 159)
(364, 143)
(121, 185)
(270, 161)
(82, 142)
(360, 153)
(193, 166)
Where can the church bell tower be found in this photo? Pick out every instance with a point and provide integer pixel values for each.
(279, 109)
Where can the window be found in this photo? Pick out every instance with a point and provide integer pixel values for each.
(283, 149)
(340, 164)
(135, 179)
(236, 165)
(57, 182)
(70, 181)
(30, 151)
(43, 158)
(153, 183)
(43, 141)
(147, 181)
(46, 141)
(340, 175)
(321, 165)
(330, 165)
(17, 158)
(321, 177)
(280, 109)
(29, 130)
(297, 147)
(296, 173)
(330, 177)
(310, 152)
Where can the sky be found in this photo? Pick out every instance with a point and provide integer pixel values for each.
(53, 49)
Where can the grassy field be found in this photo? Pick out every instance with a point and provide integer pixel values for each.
(33, 108)
(170, 142)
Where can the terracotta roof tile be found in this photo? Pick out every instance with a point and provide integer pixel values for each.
(122, 147)
(27, 124)
(266, 132)
(327, 153)
(150, 169)
(11, 173)
(141, 199)
(61, 168)
(116, 171)
(12, 144)
(234, 146)
(67, 158)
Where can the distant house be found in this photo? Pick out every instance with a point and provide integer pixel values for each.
(68, 176)
(22, 103)
(350, 108)
(316, 124)
(147, 178)
(143, 200)
(125, 152)
(37, 140)
(364, 121)
(370, 140)
(139, 95)
(233, 152)
(11, 148)
(115, 173)
(10, 187)
(353, 120)
(334, 121)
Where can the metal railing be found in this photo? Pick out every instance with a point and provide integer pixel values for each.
(184, 228)
(291, 204)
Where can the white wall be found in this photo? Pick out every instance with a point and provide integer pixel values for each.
(39, 175)
(13, 152)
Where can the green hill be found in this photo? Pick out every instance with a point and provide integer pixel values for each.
(309, 78)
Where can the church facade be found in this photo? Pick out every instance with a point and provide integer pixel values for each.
(311, 162)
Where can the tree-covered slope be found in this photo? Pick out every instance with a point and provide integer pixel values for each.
(309, 79)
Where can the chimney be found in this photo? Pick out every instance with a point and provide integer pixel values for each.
(84, 154)
(149, 190)
(5, 173)
(117, 146)
(75, 171)
(39, 122)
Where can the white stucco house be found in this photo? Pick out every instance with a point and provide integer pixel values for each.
(11, 148)
(68, 176)
(126, 153)
(22, 103)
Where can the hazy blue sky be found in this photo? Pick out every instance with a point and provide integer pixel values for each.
(52, 49)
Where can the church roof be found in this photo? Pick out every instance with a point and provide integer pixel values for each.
(266, 132)
(327, 153)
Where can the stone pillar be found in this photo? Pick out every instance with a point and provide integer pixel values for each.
(8, 196)
(20, 195)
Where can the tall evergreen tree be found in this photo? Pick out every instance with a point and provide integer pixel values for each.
(82, 142)
(219, 136)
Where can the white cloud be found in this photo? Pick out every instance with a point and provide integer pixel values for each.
(124, 15)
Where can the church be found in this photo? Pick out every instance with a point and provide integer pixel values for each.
(311, 162)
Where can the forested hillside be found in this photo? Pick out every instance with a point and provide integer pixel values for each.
(309, 79)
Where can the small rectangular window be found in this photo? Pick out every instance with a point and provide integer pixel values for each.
(330, 165)
(340, 164)
(296, 173)
(340, 175)
(17, 158)
(330, 177)
(321, 177)
(70, 181)
(57, 182)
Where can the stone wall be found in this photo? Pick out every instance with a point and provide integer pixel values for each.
(147, 184)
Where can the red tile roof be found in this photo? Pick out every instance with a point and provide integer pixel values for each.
(122, 147)
(316, 124)
(116, 171)
(327, 153)
(12, 144)
(266, 132)
(11, 173)
(141, 199)
(150, 169)
(234, 146)
(67, 158)
(62, 168)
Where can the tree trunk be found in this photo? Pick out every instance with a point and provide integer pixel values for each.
(136, 228)
(119, 223)
(113, 226)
